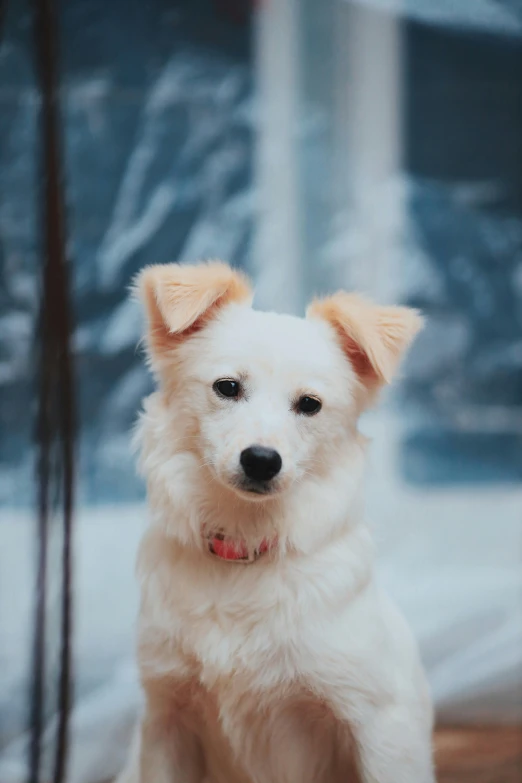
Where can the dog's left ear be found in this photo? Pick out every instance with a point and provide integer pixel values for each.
(374, 338)
(180, 299)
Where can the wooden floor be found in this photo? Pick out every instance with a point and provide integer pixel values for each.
(482, 755)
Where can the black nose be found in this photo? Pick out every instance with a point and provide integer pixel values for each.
(260, 463)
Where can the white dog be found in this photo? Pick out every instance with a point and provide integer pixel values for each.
(267, 653)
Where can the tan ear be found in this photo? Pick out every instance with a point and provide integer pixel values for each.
(180, 299)
(374, 338)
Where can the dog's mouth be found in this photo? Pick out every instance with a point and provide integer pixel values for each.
(254, 489)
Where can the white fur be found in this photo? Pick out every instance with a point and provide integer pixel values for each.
(284, 670)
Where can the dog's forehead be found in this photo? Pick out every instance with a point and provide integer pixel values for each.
(248, 335)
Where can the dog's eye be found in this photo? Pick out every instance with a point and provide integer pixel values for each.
(308, 405)
(227, 388)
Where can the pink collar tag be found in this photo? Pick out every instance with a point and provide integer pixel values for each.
(236, 551)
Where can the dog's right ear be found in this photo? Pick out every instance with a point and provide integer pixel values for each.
(180, 300)
(373, 338)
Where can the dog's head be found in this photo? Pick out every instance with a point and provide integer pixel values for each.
(265, 401)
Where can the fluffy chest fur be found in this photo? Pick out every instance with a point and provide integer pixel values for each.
(248, 650)
(265, 617)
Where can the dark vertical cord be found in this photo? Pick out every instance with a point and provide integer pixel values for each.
(56, 428)
(3, 14)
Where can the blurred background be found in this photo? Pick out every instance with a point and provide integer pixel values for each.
(316, 144)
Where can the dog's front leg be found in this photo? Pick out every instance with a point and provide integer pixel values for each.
(393, 742)
(170, 752)
(165, 750)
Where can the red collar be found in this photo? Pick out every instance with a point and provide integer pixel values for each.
(237, 551)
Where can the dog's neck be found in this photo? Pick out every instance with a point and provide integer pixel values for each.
(195, 510)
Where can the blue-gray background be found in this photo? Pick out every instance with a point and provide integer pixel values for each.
(159, 132)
